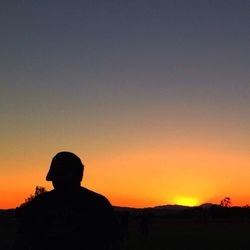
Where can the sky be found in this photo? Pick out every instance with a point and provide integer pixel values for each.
(152, 95)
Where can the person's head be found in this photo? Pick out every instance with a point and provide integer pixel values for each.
(66, 171)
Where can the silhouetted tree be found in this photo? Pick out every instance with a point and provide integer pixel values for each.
(226, 202)
(38, 190)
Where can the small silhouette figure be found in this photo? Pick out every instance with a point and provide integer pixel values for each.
(144, 226)
(68, 217)
(124, 224)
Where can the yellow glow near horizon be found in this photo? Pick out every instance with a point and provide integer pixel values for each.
(139, 176)
(187, 201)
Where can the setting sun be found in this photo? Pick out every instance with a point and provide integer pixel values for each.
(187, 201)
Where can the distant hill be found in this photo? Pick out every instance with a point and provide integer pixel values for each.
(162, 209)
(208, 205)
(170, 209)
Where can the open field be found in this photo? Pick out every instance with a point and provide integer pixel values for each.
(8, 228)
(189, 234)
(166, 233)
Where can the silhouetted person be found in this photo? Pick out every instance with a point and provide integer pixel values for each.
(124, 224)
(144, 226)
(68, 217)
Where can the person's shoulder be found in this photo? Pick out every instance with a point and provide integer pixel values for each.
(92, 194)
(95, 197)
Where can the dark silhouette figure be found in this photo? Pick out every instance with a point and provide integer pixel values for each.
(68, 217)
(144, 226)
(124, 224)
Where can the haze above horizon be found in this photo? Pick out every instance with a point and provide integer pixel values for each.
(153, 96)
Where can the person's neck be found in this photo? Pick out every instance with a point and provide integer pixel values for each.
(69, 189)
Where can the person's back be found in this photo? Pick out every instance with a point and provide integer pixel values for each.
(68, 217)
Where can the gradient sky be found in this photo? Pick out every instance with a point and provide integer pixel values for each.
(154, 96)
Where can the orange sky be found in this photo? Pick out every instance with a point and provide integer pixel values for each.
(153, 97)
(141, 177)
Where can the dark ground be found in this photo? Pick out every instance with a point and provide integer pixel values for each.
(154, 232)
(189, 234)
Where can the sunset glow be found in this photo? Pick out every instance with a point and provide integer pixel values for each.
(186, 201)
(154, 98)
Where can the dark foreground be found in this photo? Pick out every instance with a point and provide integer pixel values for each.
(189, 234)
(149, 231)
